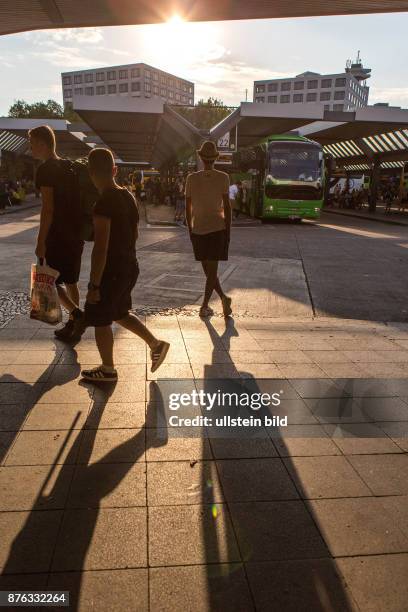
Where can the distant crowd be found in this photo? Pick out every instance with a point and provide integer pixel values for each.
(389, 194)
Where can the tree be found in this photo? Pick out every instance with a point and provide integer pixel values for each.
(42, 110)
(205, 114)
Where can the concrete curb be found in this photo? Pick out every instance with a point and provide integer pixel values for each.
(368, 217)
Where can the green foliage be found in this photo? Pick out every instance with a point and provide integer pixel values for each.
(42, 110)
(205, 114)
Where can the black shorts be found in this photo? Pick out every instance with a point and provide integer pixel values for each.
(65, 257)
(116, 298)
(211, 247)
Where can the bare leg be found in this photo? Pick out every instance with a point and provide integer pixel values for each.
(212, 269)
(133, 324)
(104, 342)
(217, 285)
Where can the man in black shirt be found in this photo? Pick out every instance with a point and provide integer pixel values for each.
(58, 240)
(114, 268)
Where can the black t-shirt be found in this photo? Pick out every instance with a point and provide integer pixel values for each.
(66, 220)
(120, 207)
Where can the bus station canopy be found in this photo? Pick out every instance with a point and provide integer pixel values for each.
(42, 14)
(69, 143)
(138, 130)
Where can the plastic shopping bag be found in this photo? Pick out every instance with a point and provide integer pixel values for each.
(45, 304)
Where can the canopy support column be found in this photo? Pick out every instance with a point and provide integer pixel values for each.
(375, 179)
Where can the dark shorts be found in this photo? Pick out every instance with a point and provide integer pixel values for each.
(210, 247)
(65, 257)
(116, 298)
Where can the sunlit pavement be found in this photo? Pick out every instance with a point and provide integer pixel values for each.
(95, 499)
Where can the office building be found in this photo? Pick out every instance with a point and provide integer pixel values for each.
(135, 80)
(344, 91)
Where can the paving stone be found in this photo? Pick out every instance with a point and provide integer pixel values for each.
(43, 358)
(258, 370)
(361, 439)
(377, 582)
(384, 474)
(24, 373)
(276, 530)
(12, 416)
(106, 538)
(344, 370)
(115, 590)
(45, 448)
(383, 370)
(357, 526)
(396, 507)
(219, 588)
(303, 441)
(323, 358)
(190, 535)
(397, 431)
(112, 446)
(366, 387)
(317, 477)
(167, 445)
(240, 448)
(34, 487)
(19, 392)
(116, 416)
(385, 408)
(218, 370)
(15, 582)
(295, 410)
(182, 483)
(57, 416)
(338, 410)
(301, 370)
(62, 393)
(255, 480)
(299, 586)
(108, 485)
(121, 392)
(28, 540)
(319, 388)
(199, 356)
(6, 440)
(9, 357)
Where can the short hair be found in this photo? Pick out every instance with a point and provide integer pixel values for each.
(101, 161)
(45, 134)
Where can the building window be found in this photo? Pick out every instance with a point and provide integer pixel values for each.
(171, 83)
(100, 90)
(135, 73)
(77, 79)
(123, 74)
(326, 83)
(89, 91)
(163, 92)
(155, 76)
(123, 87)
(272, 99)
(111, 89)
(155, 90)
(78, 91)
(171, 94)
(340, 95)
(191, 101)
(285, 99)
(178, 96)
(111, 75)
(147, 74)
(260, 89)
(260, 100)
(163, 80)
(184, 99)
(66, 80)
(299, 84)
(286, 86)
(68, 93)
(327, 107)
(190, 90)
(312, 84)
(341, 82)
(272, 87)
(298, 97)
(148, 87)
(338, 107)
(100, 76)
(325, 95)
(136, 86)
(89, 77)
(184, 87)
(311, 97)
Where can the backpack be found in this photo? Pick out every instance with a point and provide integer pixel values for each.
(82, 191)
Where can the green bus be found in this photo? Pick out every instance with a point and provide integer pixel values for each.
(282, 178)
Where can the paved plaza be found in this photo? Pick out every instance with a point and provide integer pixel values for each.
(96, 498)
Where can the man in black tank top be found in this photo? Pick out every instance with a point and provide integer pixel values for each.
(114, 268)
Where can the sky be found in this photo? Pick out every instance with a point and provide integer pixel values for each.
(221, 58)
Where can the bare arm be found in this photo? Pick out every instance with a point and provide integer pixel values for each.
(46, 215)
(100, 248)
(189, 214)
(227, 212)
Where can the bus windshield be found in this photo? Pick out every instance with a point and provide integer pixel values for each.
(294, 161)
